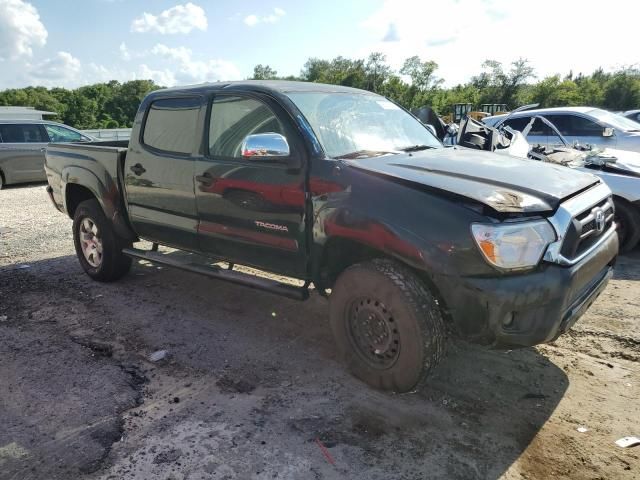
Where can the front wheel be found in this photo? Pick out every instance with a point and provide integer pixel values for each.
(98, 247)
(627, 219)
(387, 325)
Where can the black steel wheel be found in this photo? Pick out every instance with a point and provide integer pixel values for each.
(387, 325)
(373, 332)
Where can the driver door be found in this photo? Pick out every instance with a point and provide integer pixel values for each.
(251, 210)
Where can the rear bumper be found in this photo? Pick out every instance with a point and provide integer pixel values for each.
(528, 309)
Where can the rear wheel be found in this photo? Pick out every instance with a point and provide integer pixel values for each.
(627, 219)
(98, 247)
(1, 180)
(387, 325)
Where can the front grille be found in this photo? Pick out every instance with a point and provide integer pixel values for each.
(586, 228)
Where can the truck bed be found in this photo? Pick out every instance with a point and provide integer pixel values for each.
(95, 166)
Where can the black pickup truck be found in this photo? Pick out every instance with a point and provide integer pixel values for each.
(345, 190)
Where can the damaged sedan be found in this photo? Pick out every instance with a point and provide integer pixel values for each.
(517, 135)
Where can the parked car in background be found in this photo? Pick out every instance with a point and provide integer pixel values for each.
(632, 115)
(585, 125)
(22, 144)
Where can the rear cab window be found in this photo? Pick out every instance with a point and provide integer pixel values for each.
(171, 124)
(23, 133)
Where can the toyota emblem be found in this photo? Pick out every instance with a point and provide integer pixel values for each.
(600, 221)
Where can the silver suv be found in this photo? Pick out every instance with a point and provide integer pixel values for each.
(586, 125)
(22, 145)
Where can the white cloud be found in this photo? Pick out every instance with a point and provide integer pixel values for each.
(178, 19)
(182, 54)
(460, 35)
(20, 29)
(124, 52)
(252, 20)
(61, 70)
(163, 77)
(190, 70)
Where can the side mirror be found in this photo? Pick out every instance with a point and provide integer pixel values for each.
(607, 132)
(431, 128)
(264, 146)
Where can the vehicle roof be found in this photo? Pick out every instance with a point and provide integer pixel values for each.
(542, 111)
(22, 121)
(279, 86)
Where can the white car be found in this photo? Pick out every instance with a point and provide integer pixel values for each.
(619, 169)
(586, 125)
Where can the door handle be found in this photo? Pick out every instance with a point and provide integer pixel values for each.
(138, 169)
(205, 179)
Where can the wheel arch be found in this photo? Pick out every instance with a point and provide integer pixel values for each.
(339, 253)
(80, 184)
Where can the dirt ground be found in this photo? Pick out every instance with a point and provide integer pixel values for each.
(251, 387)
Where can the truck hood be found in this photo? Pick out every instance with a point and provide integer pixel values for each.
(506, 184)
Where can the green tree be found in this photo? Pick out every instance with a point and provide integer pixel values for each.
(552, 92)
(498, 86)
(264, 72)
(377, 71)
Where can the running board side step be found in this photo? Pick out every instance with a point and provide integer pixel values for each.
(213, 271)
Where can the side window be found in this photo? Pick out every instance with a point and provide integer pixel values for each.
(26, 133)
(575, 126)
(583, 127)
(171, 124)
(61, 134)
(517, 124)
(562, 123)
(233, 118)
(540, 129)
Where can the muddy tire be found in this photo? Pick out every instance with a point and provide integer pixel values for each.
(98, 247)
(387, 325)
(627, 219)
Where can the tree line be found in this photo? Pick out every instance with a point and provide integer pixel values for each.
(415, 84)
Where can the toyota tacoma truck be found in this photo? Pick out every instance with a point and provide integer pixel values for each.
(344, 190)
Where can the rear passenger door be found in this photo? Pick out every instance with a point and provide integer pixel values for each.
(22, 152)
(158, 171)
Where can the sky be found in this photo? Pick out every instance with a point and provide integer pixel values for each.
(68, 43)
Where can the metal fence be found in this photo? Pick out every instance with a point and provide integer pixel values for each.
(109, 133)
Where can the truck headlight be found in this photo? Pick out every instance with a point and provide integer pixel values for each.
(513, 246)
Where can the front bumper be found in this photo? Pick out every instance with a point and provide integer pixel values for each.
(528, 309)
(52, 198)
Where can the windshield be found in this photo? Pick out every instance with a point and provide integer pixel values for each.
(367, 124)
(616, 121)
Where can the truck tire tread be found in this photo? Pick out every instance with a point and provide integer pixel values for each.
(422, 308)
(114, 263)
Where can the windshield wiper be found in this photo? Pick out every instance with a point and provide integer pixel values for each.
(416, 148)
(365, 154)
